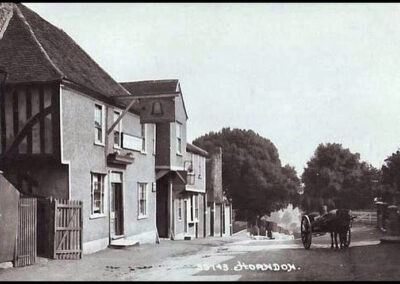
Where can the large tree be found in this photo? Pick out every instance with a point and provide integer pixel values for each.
(337, 178)
(391, 178)
(251, 169)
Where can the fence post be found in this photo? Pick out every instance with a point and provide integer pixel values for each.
(54, 227)
(81, 227)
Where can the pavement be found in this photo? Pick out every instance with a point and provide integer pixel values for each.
(238, 257)
(390, 239)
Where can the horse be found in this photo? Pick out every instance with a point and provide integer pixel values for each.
(339, 225)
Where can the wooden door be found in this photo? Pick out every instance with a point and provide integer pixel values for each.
(162, 208)
(26, 237)
(117, 216)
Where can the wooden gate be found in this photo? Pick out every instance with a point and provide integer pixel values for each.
(26, 237)
(67, 229)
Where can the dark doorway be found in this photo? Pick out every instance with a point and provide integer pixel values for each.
(185, 217)
(162, 207)
(117, 216)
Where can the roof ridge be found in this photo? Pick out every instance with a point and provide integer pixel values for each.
(94, 61)
(154, 80)
(41, 48)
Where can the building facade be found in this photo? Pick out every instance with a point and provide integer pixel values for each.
(180, 166)
(69, 131)
(57, 109)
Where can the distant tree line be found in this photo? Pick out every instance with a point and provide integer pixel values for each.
(334, 176)
(337, 178)
(389, 190)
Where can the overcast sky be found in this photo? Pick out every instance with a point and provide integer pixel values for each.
(297, 74)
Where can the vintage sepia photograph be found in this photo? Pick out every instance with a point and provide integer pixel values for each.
(199, 141)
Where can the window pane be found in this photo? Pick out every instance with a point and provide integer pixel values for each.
(117, 130)
(142, 199)
(98, 116)
(98, 122)
(178, 130)
(179, 145)
(116, 115)
(97, 193)
(143, 137)
(117, 138)
(154, 138)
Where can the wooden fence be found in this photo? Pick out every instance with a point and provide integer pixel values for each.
(67, 229)
(26, 237)
(60, 229)
(365, 217)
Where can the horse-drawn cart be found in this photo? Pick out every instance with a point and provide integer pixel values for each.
(336, 222)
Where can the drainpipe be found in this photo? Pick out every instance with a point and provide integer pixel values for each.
(205, 215)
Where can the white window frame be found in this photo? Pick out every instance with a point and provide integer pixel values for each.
(117, 128)
(144, 138)
(103, 125)
(102, 195)
(178, 128)
(140, 215)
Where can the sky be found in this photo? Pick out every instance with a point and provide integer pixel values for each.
(297, 74)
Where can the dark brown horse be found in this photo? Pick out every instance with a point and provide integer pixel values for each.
(340, 225)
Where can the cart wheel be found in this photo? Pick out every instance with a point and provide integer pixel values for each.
(347, 238)
(306, 232)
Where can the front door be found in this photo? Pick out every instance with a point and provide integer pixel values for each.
(117, 212)
(185, 219)
(162, 208)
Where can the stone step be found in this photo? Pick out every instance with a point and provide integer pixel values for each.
(123, 243)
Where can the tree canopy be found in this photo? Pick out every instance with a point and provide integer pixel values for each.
(337, 178)
(391, 178)
(252, 173)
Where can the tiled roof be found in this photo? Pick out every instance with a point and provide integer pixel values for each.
(197, 150)
(33, 50)
(151, 86)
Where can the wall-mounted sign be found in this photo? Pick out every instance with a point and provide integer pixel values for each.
(157, 110)
(131, 142)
